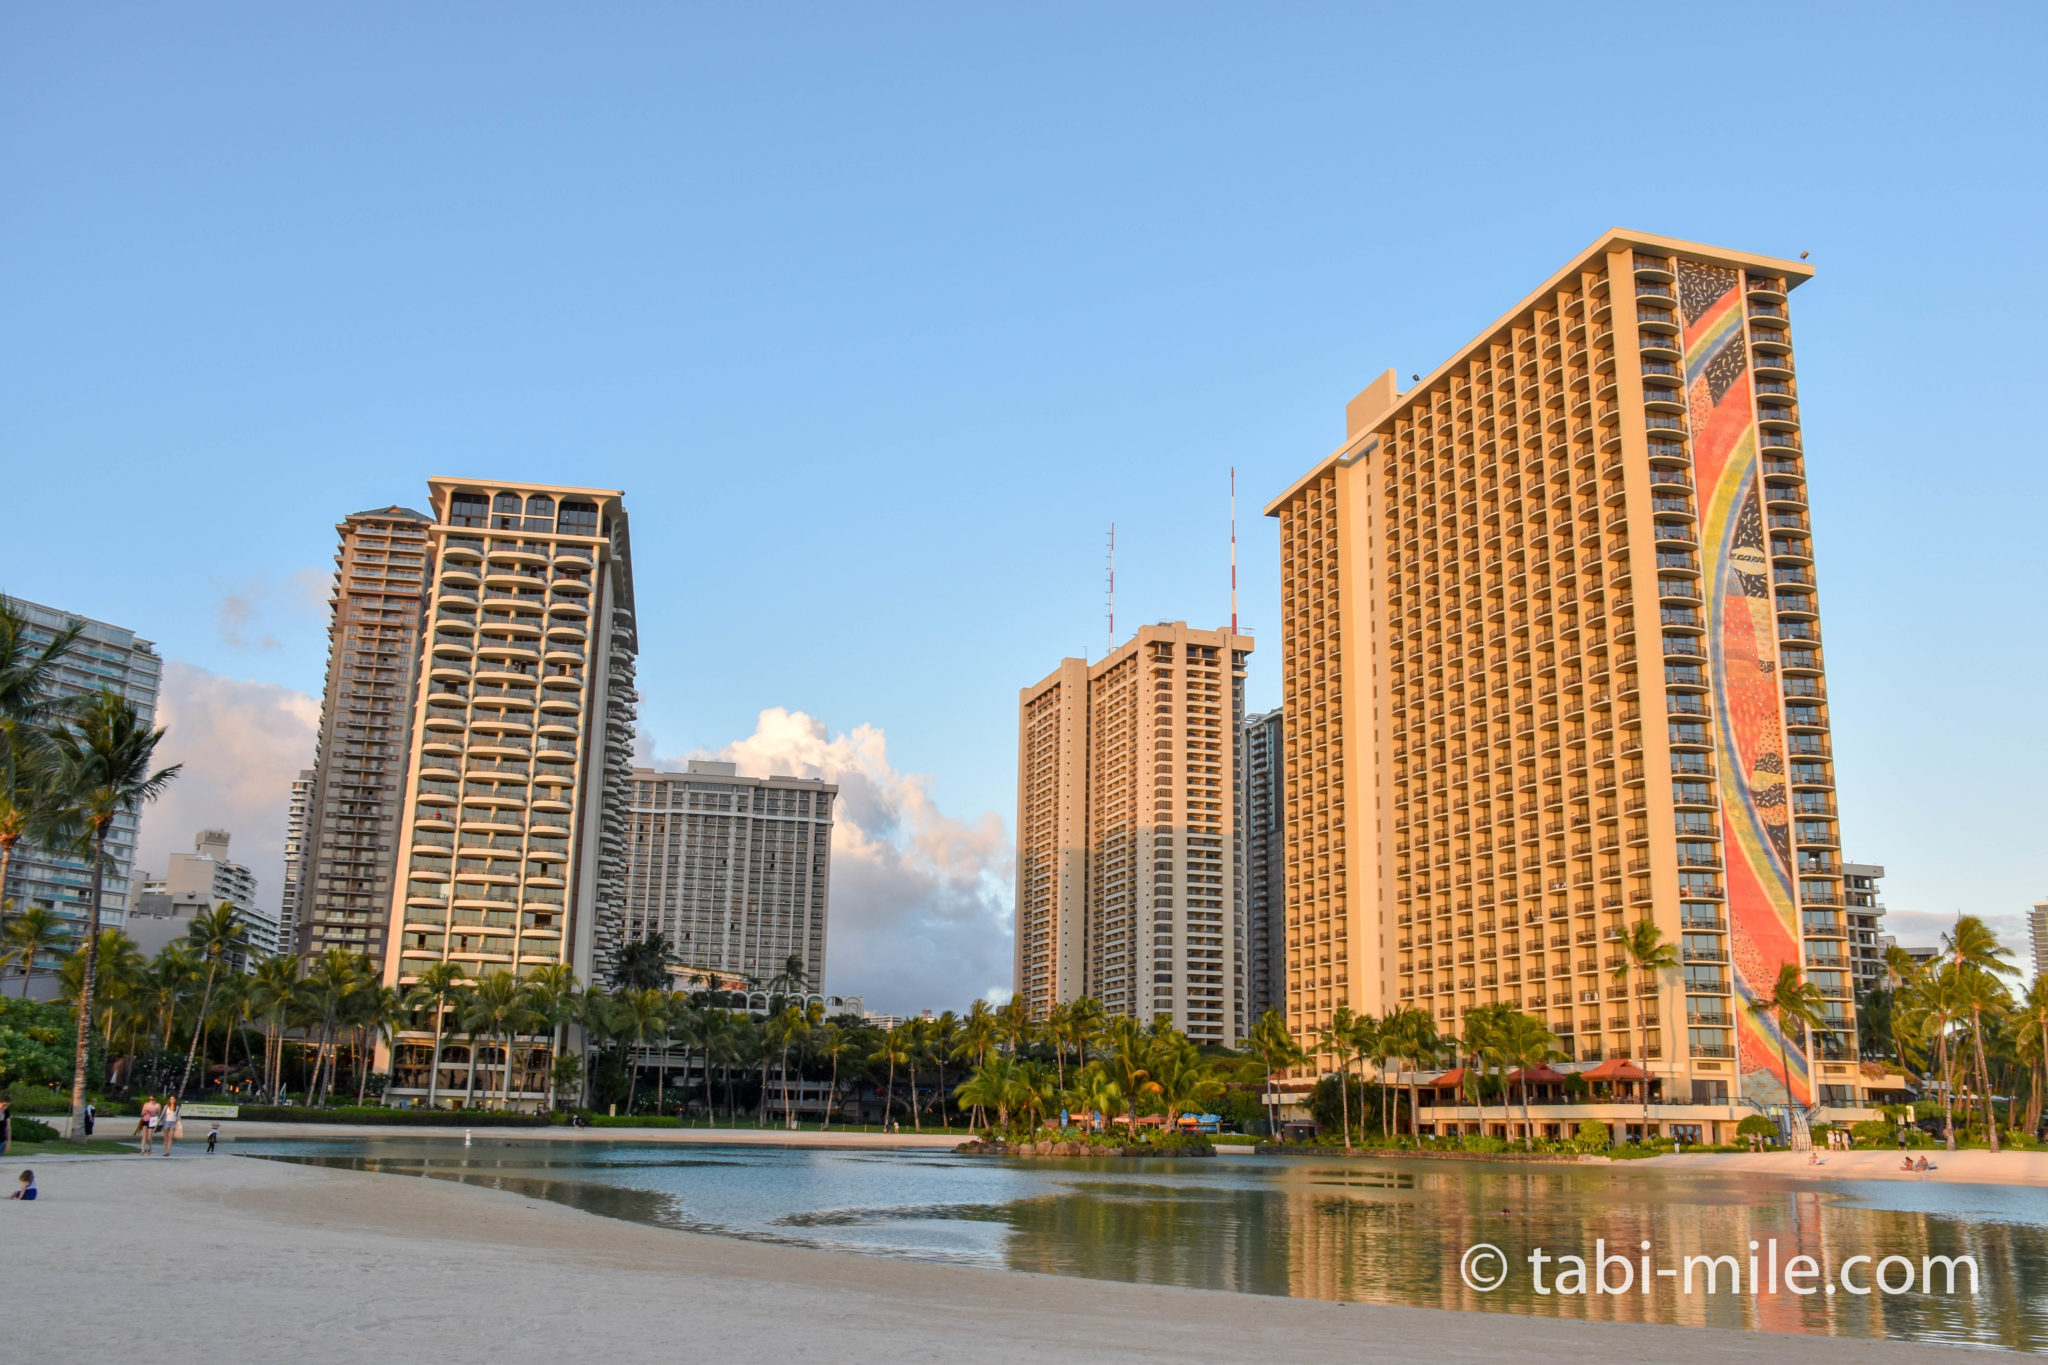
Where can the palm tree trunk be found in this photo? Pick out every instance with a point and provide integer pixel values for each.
(434, 1076)
(82, 1050)
(831, 1096)
(1643, 1029)
(1983, 1076)
(889, 1097)
(915, 1121)
(787, 1120)
(1344, 1097)
(199, 1029)
(505, 1092)
(362, 1067)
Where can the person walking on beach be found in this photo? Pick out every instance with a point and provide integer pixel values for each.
(145, 1126)
(169, 1119)
(91, 1112)
(6, 1125)
(212, 1136)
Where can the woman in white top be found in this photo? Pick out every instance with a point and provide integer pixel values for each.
(170, 1122)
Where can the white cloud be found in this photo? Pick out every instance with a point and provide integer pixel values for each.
(921, 912)
(241, 744)
(245, 615)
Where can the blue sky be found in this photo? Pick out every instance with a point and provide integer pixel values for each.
(881, 316)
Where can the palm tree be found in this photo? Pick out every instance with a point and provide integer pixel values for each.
(1028, 1090)
(1273, 1045)
(943, 1038)
(1645, 953)
(1014, 1024)
(895, 1052)
(271, 989)
(1975, 952)
(1099, 1094)
(2031, 1019)
(373, 1015)
(439, 988)
(31, 934)
(989, 1088)
(1792, 1000)
(790, 981)
(830, 1045)
(103, 773)
(1411, 1034)
(642, 1013)
(1525, 1043)
(212, 935)
(788, 1029)
(1185, 1080)
(336, 975)
(1901, 972)
(977, 1039)
(552, 991)
(1936, 1003)
(1335, 1039)
(1483, 1028)
(1131, 1055)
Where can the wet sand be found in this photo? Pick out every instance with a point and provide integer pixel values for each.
(232, 1258)
(1975, 1168)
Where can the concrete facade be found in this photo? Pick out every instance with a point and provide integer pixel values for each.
(1128, 848)
(347, 867)
(1551, 666)
(513, 833)
(735, 871)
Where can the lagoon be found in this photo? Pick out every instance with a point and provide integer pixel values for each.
(1379, 1231)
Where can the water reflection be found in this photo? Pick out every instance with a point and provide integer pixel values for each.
(1385, 1232)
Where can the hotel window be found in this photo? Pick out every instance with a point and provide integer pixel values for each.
(467, 509)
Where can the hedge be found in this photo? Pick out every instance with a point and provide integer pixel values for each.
(633, 1121)
(444, 1118)
(28, 1130)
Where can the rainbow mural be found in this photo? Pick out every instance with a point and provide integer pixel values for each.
(1742, 664)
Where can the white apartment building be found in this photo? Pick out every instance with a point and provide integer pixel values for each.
(734, 871)
(105, 656)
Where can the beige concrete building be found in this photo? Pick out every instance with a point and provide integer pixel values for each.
(348, 844)
(513, 835)
(1128, 849)
(1552, 665)
(735, 871)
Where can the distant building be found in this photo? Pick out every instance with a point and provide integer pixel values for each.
(1264, 887)
(1862, 909)
(2037, 930)
(294, 855)
(106, 656)
(200, 880)
(735, 871)
(1128, 848)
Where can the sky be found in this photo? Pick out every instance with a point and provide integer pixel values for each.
(881, 316)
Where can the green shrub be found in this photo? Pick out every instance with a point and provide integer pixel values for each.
(458, 1118)
(1593, 1136)
(1484, 1142)
(38, 1099)
(633, 1121)
(1758, 1125)
(28, 1130)
(1873, 1132)
(36, 1041)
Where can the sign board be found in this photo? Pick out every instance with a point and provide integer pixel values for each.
(210, 1111)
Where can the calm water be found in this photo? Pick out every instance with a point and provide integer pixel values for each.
(1380, 1231)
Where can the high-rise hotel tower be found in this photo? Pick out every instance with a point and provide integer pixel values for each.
(1128, 848)
(345, 869)
(1552, 666)
(513, 836)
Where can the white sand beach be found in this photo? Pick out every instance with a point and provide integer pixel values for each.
(235, 1259)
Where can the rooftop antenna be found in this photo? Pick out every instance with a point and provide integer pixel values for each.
(1233, 549)
(1112, 588)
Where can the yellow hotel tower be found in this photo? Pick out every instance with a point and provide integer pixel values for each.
(1552, 665)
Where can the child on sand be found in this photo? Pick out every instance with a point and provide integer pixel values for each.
(27, 1188)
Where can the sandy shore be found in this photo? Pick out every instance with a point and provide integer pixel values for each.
(232, 1130)
(238, 1259)
(1985, 1168)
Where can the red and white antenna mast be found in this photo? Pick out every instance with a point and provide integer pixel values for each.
(1112, 588)
(1233, 549)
